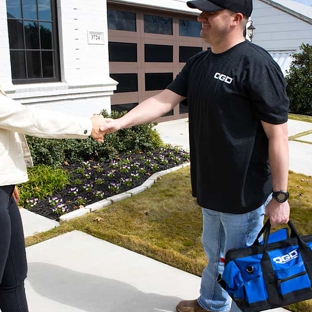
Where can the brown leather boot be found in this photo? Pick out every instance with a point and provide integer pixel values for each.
(189, 306)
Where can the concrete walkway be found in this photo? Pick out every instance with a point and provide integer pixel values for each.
(76, 272)
(300, 149)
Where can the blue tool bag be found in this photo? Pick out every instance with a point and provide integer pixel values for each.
(272, 273)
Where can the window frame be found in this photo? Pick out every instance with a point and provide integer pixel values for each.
(55, 50)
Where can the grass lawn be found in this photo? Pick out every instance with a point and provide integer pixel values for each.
(165, 223)
(305, 118)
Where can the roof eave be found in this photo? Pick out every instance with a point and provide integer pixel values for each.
(287, 10)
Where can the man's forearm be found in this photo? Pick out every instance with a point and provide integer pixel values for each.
(279, 212)
(279, 162)
(147, 111)
(150, 109)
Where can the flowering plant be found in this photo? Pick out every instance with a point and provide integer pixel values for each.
(92, 180)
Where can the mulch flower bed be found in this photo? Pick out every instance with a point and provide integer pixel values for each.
(92, 181)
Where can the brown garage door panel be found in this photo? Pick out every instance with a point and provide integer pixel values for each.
(161, 51)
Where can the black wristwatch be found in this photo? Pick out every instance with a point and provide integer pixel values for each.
(280, 196)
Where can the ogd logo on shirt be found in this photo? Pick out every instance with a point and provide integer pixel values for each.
(223, 77)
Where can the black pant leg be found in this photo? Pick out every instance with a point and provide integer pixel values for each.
(5, 227)
(12, 290)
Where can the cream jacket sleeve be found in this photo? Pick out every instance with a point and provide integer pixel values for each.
(36, 122)
(17, 120)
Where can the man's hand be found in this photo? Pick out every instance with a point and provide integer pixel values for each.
(98, 122)
(15, 194)
(112, 125)
(277, 212)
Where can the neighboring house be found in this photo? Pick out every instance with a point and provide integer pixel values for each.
(82, 56)
(281, 27)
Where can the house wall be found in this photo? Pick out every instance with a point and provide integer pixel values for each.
(85, 87)
(279, 30)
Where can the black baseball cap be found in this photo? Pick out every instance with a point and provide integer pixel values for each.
(238, 6)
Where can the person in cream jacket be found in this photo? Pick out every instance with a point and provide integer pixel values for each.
(15, 121)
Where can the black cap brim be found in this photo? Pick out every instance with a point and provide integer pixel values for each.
(203, 5)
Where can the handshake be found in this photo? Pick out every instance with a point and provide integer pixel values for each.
(102, 126)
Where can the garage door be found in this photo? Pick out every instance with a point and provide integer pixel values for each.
(147, 49)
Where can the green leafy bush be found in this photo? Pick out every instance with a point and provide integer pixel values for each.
(43, 182)
(55, 152)
(299, 80)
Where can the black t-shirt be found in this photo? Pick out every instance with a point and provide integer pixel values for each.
(228, 96)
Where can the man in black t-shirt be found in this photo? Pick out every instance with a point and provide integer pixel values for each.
(238, 111)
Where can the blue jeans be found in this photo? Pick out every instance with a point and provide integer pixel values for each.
(13, 265)
(221, 232)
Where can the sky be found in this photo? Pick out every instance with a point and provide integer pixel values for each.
(306, 2)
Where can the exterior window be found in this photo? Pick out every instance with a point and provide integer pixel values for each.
(157, 81)
(158, 53)
(189, 28)
(121, 20)
(157, 24)
(126, 82)
(122, 52)
(186, 52)
(33, 41)
(124, 107)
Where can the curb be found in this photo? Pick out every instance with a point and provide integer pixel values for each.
(113, 199)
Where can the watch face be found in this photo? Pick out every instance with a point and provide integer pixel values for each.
(281, 196)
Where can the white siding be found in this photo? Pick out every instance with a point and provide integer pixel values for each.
(85, 86)
(84, 107)
(83, 63)
(277, 29)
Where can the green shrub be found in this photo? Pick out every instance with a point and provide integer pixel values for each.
(43, 182)
(55, 152)
(299, 80)
(46, 151)
(140, 137)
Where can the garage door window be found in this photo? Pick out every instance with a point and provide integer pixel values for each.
(124, 107)
(186, 52)
(157, 81)
(121, 20)
(158, 53)
(122, 52)
(189, 28)
(126, 82)
(154, 24)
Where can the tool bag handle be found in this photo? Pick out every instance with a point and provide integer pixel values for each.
(294, 234)
(266, 229)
